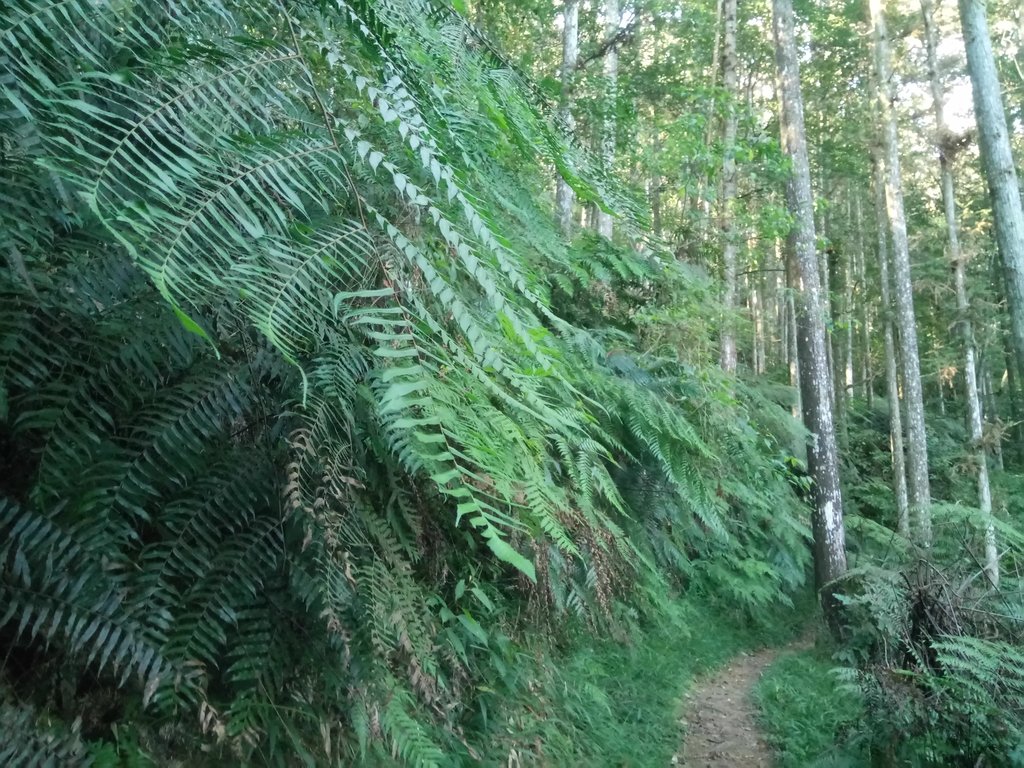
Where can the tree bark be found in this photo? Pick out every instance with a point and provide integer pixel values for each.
(864, 321)
(974, 428)
(655, 195)
(892, 377)
(781, 335)
(611, 76)
(992, 413)
(1012, 396)
(564, 195)
(917, 448)
(997, 158)
(703, 184)
(822, 232)
(841, 407)
(755, 302)
(760, 337)
(850, 329)
(730, 246)
(793, 280)
(815, 376)
(989, 411)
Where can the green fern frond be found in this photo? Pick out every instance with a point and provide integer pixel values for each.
(28, 743)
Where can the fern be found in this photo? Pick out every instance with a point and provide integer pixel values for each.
(28, 743)
(285, 360)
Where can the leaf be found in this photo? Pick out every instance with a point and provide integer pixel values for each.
(507, 554)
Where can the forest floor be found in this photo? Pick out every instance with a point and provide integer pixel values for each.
(721, 724)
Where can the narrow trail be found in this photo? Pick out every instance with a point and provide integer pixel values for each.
(721, 718)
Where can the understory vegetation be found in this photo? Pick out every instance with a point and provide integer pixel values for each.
(618, 701)
(929, 670)
(322, 443)
(319, 438)
(808, 718)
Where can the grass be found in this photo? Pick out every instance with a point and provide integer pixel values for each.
(618, 704)
(806, 714)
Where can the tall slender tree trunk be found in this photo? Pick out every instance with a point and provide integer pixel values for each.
(1012, 396)
(850, 330)
(815, 376)
(992, 413)
(716, 53)
(564, 194)
(760, 340)
(892, 376)
(822, 231)
(782, 325)
(781, 336)
(709, 133)
(655, 195)
(836, 274)
(917, 448)
(864, 320)
(997, 158)
(963, 307)
(755, 302)
(730, 247)
(793, 279)
(942, 393)
(611, 77)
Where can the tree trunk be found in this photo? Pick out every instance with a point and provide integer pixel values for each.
(917, 448)
(842, 394)
(865, 328)
(564, 194)
(655, 195)
(892, 377)
(1012, 396)
(956, 256)
(815, 376)
(761, 324)
(784, 256)
(781, 336)
(992, 414)
(824, 271)
(850, 329)
(730, 249)
(757, 321)
(793, 279)
(704, 203)
(994, 141)
(611, 76)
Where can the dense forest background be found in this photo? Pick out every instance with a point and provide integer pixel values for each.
(409, 383)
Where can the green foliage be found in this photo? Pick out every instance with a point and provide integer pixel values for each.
(930, 649)
(939, 668)
(30, 743)
(808, 714)
(311, 417)
(609, 702)
(928, 670)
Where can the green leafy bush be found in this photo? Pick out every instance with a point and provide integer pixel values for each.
(314, 423)
(933, 651)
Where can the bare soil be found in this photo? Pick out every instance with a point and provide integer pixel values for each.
(721, 717)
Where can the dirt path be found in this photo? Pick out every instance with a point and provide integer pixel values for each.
(721, 724)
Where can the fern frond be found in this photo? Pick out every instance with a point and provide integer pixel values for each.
(29, 744)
